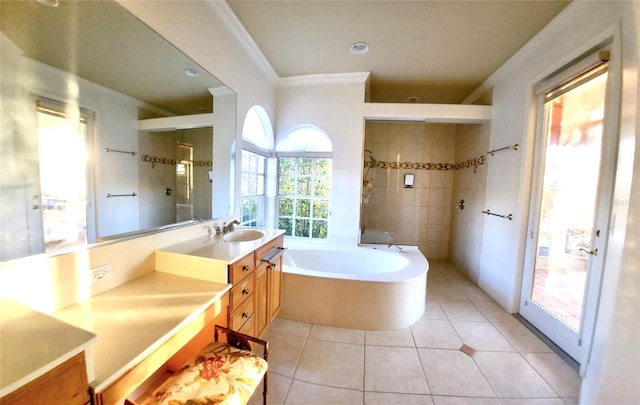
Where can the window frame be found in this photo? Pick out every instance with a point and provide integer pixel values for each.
(260, 183)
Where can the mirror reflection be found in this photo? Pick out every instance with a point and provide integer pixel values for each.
(107, 129)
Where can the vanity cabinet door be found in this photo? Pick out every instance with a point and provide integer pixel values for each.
(275, 288)
(262, 307)
(64, 385)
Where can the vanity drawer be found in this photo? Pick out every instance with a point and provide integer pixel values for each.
(249, 327)
(241, 291)
(242, 314)
(241, 268)
(263, 250)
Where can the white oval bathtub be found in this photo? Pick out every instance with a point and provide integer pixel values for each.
(369, 287)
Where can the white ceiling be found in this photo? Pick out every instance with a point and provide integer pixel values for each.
(439, 51)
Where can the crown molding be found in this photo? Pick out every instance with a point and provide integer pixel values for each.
(237, 30)
(324, 79)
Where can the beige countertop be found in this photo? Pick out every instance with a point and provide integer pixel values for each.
(216, 248)
(134, 319)
(32, 343)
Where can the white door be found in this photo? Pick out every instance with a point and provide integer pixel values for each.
(568, 219)
(63, 161)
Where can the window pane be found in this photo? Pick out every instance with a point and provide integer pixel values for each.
(244, 185)
(260, 190)
(261, 164)
(285, 207)
(245, 161)
(302, 227)
(321, 209)
(303, 208)
(319, 229)
(305, 166)
(304, 186)
(286, 186)
(322, 167)
(286, 224)
(253, 186)
(253, 163)
(287, 166)
(321, 187)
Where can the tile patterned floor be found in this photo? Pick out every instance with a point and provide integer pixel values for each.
(315, 364)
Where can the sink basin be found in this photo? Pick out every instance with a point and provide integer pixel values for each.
(243, 235)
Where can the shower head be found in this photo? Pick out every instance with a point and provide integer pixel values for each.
(371, 157)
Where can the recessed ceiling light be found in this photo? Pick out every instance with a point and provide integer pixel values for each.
(49, 3)
(191, 72)
(359, 48)
(413, 99)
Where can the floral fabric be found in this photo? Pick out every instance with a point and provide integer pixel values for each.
(220, 374)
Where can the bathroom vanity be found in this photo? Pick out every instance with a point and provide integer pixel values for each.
(249, 259)
(103, 349)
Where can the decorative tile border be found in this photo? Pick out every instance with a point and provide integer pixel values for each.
(474, 162)
(166, 161)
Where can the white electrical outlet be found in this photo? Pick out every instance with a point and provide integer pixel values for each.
(101, 272)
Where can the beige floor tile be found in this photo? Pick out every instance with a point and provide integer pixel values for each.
(532, 401)
(289, 327)
(437, 400)
(482, 336)
(461, 311)
(571, 401)
(394, 369)
(451, 372)
(278, 387)
(400, 337)
(446, 291)
(435, 334)
(511, 376)
(302, 393)
(564, 380)
(494, 312)
(284, 352)
(521, 338)
(433, 310)
(385, 398)
(332, 363)
(321, 332)
(475, 294)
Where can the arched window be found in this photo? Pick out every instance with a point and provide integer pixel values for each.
(257, 144)
(305, 138)
(304, 182)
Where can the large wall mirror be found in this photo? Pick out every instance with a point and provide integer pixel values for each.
(107, 130)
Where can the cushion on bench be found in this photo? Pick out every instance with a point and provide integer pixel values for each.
(219, 374)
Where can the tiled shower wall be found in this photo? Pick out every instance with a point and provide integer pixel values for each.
(413, 216)
(469, 184)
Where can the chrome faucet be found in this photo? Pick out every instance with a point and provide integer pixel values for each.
(229, 227)
(398, 248)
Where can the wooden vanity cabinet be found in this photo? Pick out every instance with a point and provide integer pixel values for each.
(252, 310)
(66, 384)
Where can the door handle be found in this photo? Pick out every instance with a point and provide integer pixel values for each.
(593, 252)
